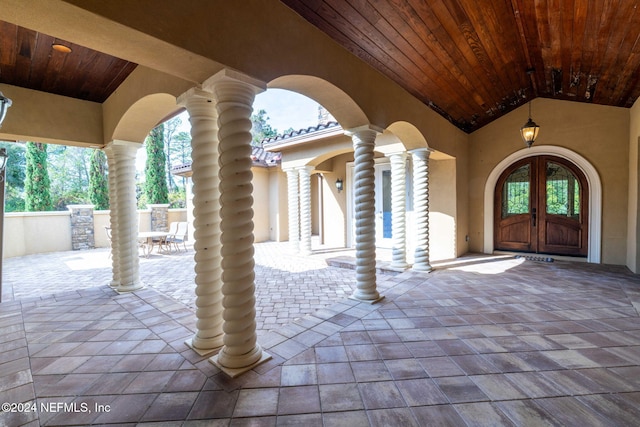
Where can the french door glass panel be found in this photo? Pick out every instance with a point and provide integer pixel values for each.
(517, 192)
(563, 191)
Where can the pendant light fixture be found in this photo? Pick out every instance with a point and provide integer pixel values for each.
(529, 130)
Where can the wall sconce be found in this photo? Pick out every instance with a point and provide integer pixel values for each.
(530, 130)
(5, 103)
(339, 185)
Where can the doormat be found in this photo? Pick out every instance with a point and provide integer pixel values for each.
(536, 258)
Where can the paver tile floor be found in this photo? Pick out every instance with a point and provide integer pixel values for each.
(481, 341)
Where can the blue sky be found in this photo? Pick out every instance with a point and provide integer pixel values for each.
(284, 109)
(287, 109)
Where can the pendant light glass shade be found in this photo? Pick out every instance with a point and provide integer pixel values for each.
(530, 130)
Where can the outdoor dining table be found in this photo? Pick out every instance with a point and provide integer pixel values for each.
(151, 239)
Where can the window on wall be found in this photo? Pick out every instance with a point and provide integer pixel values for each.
(516, 192)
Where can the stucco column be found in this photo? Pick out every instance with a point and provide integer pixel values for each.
(305, 209)
(364, 202)
(398, 209)
(113, 216)
(293, 204)
(420, 158)
(206, 210)
(235, 94)
(124, 153)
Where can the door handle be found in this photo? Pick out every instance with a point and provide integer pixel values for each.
(533, 216)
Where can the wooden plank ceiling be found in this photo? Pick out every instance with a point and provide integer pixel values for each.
(471, 60)
(28, 60)
(466, 59)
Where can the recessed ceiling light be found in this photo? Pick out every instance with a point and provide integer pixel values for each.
(61, 48)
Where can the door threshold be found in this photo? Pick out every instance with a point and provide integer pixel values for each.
(542, 256)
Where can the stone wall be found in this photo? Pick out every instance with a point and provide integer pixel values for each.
(82, 235)
(159, 217)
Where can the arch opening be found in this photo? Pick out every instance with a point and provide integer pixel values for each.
(595, 195)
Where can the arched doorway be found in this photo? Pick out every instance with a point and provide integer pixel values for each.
(541, 206)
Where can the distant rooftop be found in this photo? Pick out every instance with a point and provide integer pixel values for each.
(259, 157)
(263, 158)
(311, 129)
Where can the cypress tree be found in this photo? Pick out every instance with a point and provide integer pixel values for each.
(155, 185)
(37, 185)
(98, 183)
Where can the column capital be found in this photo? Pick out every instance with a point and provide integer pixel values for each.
(422, 153)
(397, 155)
(232, 76)
(194, 93)
(307, 168)
(122, 143)
(363, 129)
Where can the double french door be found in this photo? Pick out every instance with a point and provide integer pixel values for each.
(541, 206)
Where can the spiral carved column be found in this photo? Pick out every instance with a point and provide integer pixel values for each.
(127, 220)
(241, 350)
(305, 210)
(206, 209)
(398, 210)
(364, 200)
(113, 217)
(420, 159)
(294, 224)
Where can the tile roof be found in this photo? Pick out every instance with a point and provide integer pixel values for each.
(259, 157)
(292, 134)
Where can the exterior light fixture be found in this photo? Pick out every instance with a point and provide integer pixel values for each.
(339, 185)
(530, 130)
(61, 48)
(5, 103)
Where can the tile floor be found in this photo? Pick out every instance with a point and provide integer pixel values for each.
(483, 341)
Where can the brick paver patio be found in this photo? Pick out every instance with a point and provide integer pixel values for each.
(482, 342)
(287, 286)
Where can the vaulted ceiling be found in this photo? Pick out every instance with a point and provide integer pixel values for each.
(470, 60)
(474, 60)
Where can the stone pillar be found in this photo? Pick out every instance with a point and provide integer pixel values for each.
(420, 158)
(206, 211)
(235, 93)
(82, 236)
(398, 209)
(159, 217)
(305, 209)
(293, 200)
(128, 261)
(364, 202)
(113, 217)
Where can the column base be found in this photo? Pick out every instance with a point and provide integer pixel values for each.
(234, 372)
(123, 289)
(201, 351)
(399, 266)
(422, 268)
(370, 301)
